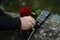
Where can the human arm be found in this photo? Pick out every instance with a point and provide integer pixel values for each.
(9, 23)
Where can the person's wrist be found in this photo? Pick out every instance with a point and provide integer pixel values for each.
(21, 23)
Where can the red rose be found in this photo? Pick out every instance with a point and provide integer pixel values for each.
(25, 11)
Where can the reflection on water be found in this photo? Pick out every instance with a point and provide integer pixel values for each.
(55, 18)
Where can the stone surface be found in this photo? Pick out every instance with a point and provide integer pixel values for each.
(49, 31)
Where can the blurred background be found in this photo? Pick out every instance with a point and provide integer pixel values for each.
(15, 5)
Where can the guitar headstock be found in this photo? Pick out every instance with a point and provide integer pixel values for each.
(41, 18)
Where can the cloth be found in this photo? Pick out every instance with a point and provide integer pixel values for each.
(9, 23)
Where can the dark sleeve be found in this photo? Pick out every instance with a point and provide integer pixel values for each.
(9, 23)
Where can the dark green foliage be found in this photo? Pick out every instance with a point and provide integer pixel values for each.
(15, 5)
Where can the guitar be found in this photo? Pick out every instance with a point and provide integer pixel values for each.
(39, 21)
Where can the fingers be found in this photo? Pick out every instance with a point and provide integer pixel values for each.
(27, 22)
(32, 21)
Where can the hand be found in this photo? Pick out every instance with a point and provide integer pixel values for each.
(27, 22)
